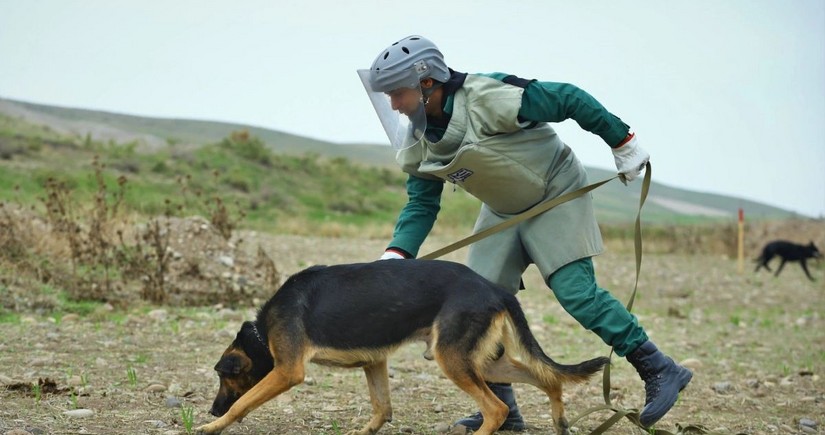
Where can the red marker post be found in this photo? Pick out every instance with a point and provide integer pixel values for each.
(741, 244)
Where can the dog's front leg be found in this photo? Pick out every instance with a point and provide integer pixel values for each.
(274, 383)
(805, 268)
(378, 381)
(779, 269)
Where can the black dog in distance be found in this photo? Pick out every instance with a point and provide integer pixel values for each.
(787, 251)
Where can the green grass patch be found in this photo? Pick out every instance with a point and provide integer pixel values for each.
(9, 317)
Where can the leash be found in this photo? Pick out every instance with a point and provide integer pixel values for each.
(632, 414)
(515, 220)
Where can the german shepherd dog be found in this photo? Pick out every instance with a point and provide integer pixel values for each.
(787, 251)
(356, 315)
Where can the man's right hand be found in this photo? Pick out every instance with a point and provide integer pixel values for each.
(392, 254)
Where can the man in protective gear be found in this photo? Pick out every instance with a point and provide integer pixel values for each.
(490, 134)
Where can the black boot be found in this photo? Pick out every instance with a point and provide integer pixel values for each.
(514, 421)
(664, 379)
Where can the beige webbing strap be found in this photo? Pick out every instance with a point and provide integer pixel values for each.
(619, 413)
(536, 210)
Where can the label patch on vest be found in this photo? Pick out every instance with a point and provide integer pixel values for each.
(460, 175)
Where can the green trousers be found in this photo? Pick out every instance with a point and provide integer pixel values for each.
(595, 308)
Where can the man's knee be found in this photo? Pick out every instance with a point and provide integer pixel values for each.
(573, 279)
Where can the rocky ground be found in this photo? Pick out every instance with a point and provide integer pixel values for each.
(756, 344)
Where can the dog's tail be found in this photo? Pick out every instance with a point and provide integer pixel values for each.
(528, 347)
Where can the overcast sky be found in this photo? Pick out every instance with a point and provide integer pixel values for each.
(728, 96)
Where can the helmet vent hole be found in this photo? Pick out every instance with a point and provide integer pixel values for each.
(386, 55)
(415, 38)
(405, 50)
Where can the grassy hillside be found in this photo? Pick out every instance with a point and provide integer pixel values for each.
(301, 179)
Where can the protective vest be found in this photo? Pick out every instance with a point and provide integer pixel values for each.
(487, 152)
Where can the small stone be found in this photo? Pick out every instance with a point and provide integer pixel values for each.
(158, 314)
(723, 387)
(155, 388)
(158, 424)
(441, 427)
(79, 413)
(173, 402)
(807, 422)
(40, 362)
(69, 318)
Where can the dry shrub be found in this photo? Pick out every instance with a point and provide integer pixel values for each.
(89, 230)
(147, 260)
(26, 261)
(26, 241)
(199, 266)
(272, 278)
(221, 217)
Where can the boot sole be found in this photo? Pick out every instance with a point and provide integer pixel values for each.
(511, 427)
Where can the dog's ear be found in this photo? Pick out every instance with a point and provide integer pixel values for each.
(229, 365)
(233, 365)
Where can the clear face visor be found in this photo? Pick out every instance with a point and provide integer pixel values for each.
(397, 99)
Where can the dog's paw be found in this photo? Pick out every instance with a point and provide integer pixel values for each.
(205, 430)
(459, 429)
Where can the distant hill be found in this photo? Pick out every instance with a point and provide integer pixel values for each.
(614, 201)
(152, 133)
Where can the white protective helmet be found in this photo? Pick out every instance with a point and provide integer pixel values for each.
(391, 69)
(403, 65)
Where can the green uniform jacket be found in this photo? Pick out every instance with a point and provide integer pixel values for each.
(499, 147)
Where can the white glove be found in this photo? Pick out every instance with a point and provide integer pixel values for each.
(630, 159)
(390, 254)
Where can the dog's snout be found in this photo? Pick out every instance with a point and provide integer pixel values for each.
(218, 409)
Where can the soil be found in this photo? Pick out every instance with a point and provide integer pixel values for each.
(756, 344)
